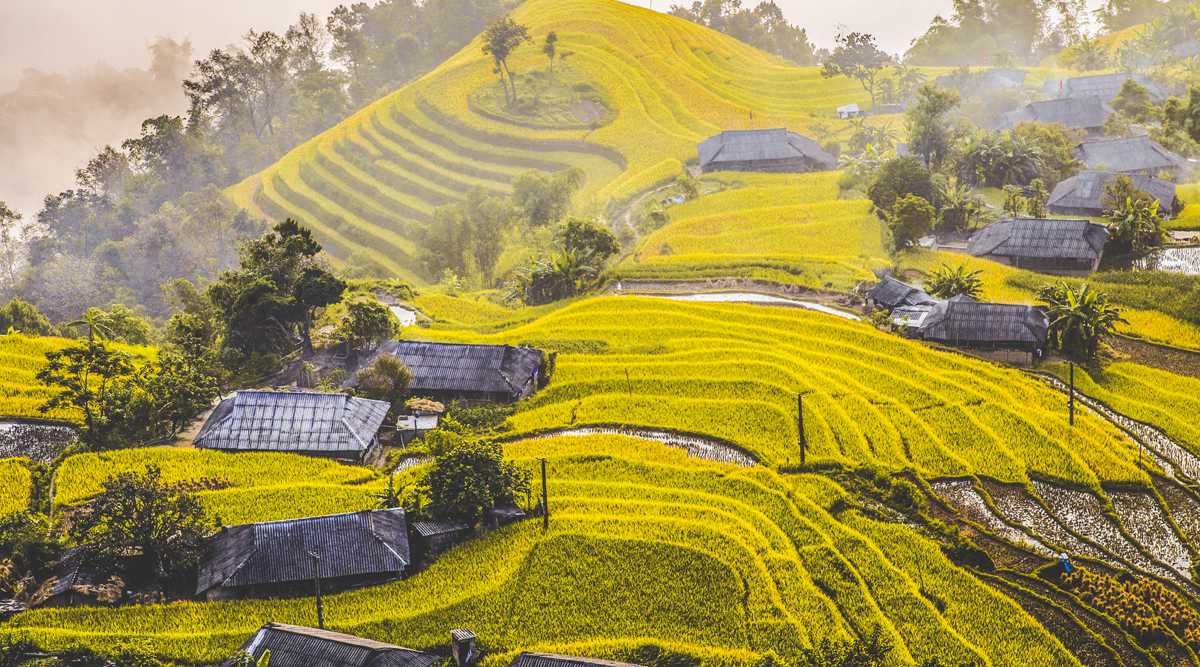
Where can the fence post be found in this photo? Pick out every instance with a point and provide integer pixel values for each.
(545, 499)
(1071, 399)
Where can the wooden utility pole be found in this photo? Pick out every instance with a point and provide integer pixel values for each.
(628, 383)
(545, 499)
(316, 560)
(800, 428)
(1071, 400)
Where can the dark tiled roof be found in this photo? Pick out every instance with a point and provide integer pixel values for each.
(1043, 239)
(892, 293)
(293, 421)
(431, 528)
(1075, 113)
(553, 660)
(296, 646)
(362, 544)
(974, 323)
(1127, 155)
(759, 145)
(451, 367)
(73, 569)
(1107, 86)
(1086, 189)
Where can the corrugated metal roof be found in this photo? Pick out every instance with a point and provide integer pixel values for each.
(1041, 239)
(277, 552)
(73, 569)
(296, 646)
(1086, 190)
(1108, 86)
(452, 367)
(760, 145)
(553, 660)
(293, 421)
(1127, 155)
(892, 293)
(431, 528)
(1075, 113)
(973, 323)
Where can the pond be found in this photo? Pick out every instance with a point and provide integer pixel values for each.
(762, 299)
(1183, 259)
(406, 316)
(32, 440)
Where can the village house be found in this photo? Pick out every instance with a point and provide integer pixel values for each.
(1062, 247)
(889, 294)
(983, 82)
(774, 150)
(1086, 114)
(1140, 156)
(449, 372)
(297, 646)
(335, 426)
(1084, 193)
(430, 539)
(281, 558)
(848, 111)
(1106, 87)
(1000, 331)
(74, 577)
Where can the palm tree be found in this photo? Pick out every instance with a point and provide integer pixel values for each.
(960, 206)
(1080, 318)
(1134, 220)
(947, 283)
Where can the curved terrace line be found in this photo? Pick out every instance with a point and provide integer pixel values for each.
(696, 445)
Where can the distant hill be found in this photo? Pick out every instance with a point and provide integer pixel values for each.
(646, 87)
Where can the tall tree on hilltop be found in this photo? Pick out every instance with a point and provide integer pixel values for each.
(550, 48)
(500, 39)
(858, 57)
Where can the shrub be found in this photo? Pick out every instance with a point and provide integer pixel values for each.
(911, 218)
(897, 178)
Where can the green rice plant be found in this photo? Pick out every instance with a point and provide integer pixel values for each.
(16, 484)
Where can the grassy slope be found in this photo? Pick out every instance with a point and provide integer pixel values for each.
(21, 357)
(784, 228)
(367, 184)
(733, 371)
(635, 527)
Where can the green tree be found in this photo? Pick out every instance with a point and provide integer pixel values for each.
(998, 159)
(1086, 55)
(1014, 201)
(121, 324)
(467, 238)
(1036, 198)
(960, 206)
(385, 379)
(1053, 145)
(11, 238)
(1191, 114)
(22, 317)
(1133, 102)
(897, 178)
(1080, 318)
(1135, 224)
(856, 55)
(366, 324)
(550, 48)
(140, 515)
(588, 239)
(911, 218)
(105, 386)
(544, 198)
(947, 282)
(500, 39)
(472, 478)
(928, 133)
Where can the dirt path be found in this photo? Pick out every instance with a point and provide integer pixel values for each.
(1173, 360)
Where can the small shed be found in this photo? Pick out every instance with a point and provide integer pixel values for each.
(335, 426)
(1062, 247)
(1087, 114)
(74, 576)
(1140, 156)
(774, 150)
(1106, 86)
(457, 372)
(432, 538)
(1006, 332)
(1083, 194)
(297, 646)
(889, 294)
(554, 660)
(274, 558)
(848, 111)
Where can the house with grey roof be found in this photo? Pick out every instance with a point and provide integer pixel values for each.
(281, 558)
(1063, 247)
(982, 82)
(1001, 331)
(457, 372)
(335, 426)
(1132, 155)
(1104, 86)
(1084, 193)
(1086, 114)
(554, 660)
(429, 538)
(774, 150)
(297, 646)
(889, 294)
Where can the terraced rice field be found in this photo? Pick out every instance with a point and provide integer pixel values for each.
(733, 372)
(636, 527)
(15, 486)
(784, 228)
(237, 488)
(21, 357)
(368, 184)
